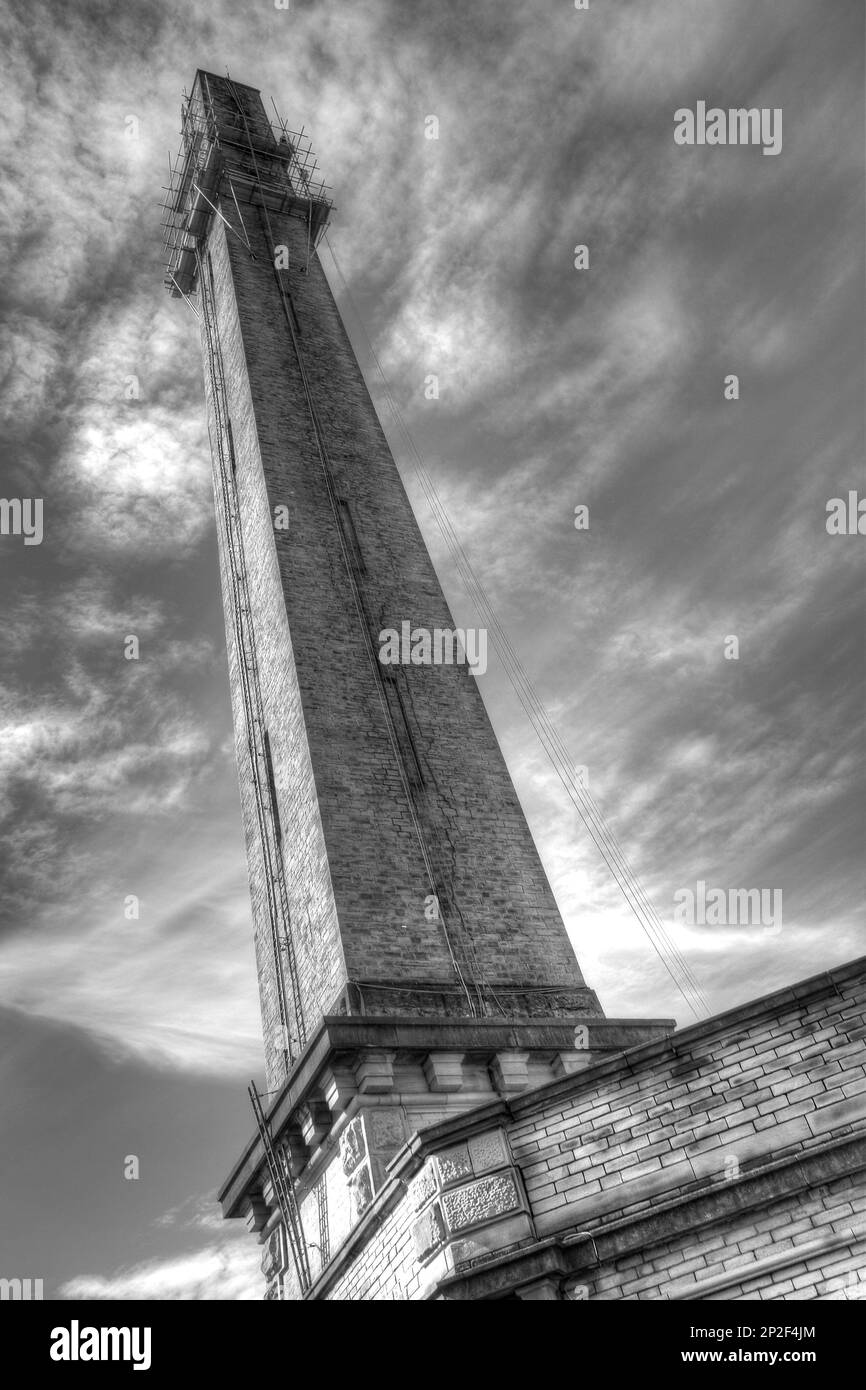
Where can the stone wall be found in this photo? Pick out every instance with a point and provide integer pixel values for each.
(728, 1161)
(367, 1085)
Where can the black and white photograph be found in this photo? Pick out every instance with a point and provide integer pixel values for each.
(433, 693)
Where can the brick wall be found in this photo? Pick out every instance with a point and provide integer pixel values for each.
(801, 1248)
(728, 1162)
(710, 1104)
(385, 1266)
(318, 948)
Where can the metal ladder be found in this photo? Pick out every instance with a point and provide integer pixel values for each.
(284, 1191)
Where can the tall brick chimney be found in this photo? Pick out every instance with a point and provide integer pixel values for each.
(411, 957)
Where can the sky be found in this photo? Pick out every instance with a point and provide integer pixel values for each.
(558, 387)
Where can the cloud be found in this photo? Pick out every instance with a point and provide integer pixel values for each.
(136, 469)
(199, 1213)
(226, 1269)
(91, 733)
(217, 1273)
(162, 987)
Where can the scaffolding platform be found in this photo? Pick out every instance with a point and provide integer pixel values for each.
(222, 159)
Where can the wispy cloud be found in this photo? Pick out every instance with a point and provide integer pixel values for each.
(164, 986)
(226, 1269)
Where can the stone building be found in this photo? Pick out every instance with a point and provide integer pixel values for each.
(450, 1113)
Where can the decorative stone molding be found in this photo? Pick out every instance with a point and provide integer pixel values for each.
(511, 1070)
(273, 1254)
(257, 1214)
(454, 1164)
(375, 1073)
(545, 1290)
(356, 1164)
(362, 1092)
(316, 1121)
(444, 1071)
(353, 1145)
(296, 1147)
(429, 1232)
(361, 1190)
(386, 1129)
(480, 1201)
(469, 1202)
(566, 1063)
(422, 1187)
(338, 1086)
(488, 1151)
(386, 1133)
(416, 1061)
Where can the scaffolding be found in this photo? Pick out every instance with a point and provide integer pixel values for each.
(226, 156)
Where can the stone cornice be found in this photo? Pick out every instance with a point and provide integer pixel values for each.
(342, 1040)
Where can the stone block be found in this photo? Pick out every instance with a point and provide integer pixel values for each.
(444, 1071)
(565, 1063)
(428, 1232)
(316, 1120)
(374, 1072)
(296, 1150)
(500, 1235)
(845, 1112)
(273, 1257)
(386, 1129)
(511, 1070)
(353, 1145)
(338, 1087)
(488, 1151)
(257, 1214)
(483, 1200)
(454, 1164)
(361, 1190)
(423, 1185)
